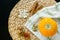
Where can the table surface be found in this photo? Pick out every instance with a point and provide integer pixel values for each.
(5, 8)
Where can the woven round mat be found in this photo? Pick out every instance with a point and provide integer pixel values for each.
(15, 23)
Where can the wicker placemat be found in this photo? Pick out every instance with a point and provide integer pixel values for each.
(15, 23)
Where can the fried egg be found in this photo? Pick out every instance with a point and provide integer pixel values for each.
(45, 23)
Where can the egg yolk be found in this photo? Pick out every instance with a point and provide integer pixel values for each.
(47, 27)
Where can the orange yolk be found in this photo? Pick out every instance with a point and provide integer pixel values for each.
(47, 27)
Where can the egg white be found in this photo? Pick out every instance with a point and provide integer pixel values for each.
(44, 13)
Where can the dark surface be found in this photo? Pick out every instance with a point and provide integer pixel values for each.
(5, 8)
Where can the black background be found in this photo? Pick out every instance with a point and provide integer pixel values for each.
(5, 8)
